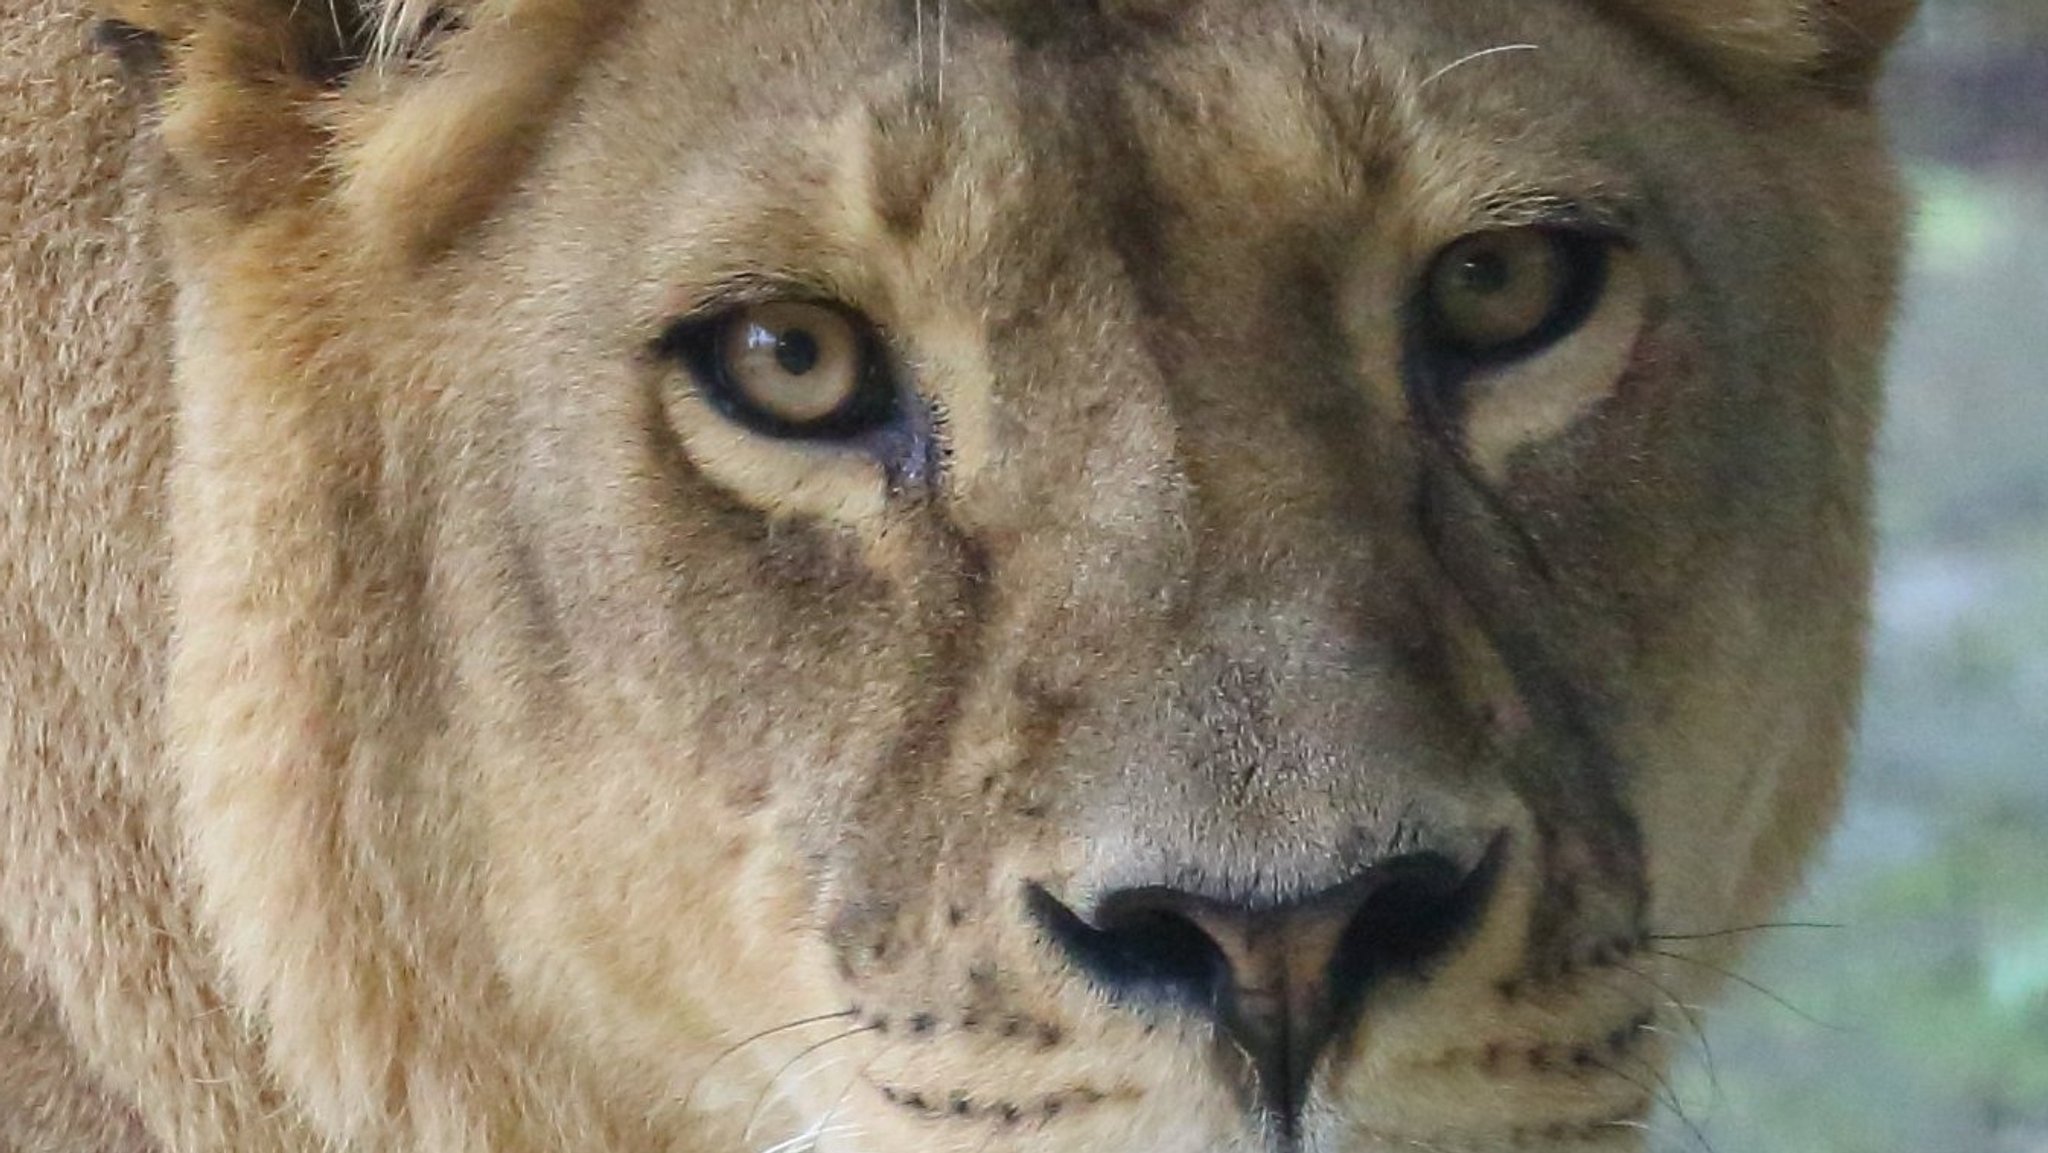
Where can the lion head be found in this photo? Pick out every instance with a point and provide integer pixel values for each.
(1010, 574)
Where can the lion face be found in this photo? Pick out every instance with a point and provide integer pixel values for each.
(1169, 578)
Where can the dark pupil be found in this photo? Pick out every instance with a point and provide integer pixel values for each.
(796, 351)
(1485, 273)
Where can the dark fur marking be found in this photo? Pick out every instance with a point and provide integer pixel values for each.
(929, 1025)
(1584, 831)
(1042, 26)
(139, 50)
(906, 147)
(955, 614)
(958, 1105)
(1347, 117)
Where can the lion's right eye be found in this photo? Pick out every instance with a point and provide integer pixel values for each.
(790, 369)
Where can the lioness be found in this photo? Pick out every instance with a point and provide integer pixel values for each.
(1051, 576)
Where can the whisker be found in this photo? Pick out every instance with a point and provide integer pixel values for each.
(1670, 1096)
(1713, 1081)
(853, 1082)
(1251, 1064)
(334, 22)
(1762, 927)
(1669, 1099)
(1482, 54)
(768, 1090)
(809, 1138)
(1644, 1127)
(993, 1132)
(1688, 1012)
(1680, 1039)
(761, 1036)
(1756, 987)
(785, 1090)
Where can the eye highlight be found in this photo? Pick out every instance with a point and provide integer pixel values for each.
(790, 369)
(1499, 296)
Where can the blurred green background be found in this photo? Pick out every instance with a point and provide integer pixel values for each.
(1929, 1004)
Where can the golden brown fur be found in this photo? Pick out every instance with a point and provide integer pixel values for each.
(430, 726)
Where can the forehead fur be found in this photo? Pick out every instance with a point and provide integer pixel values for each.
(1808, 35)
(425, 111)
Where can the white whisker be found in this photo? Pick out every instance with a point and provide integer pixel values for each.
(793, 1079)
(1482, 54)
(808, 1140)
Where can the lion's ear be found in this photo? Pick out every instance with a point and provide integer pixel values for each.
(318, 41)
(401, 117)
(1840, 43)
(244, 87)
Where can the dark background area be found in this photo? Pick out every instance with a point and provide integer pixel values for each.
(1920, 1024)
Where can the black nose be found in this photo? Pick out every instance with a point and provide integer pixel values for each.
(1282, 979)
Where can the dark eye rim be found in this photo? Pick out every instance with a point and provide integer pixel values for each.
(1437, 365)
(877, 402)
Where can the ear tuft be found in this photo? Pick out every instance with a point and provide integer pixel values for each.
(1838, 43)
(325, 42)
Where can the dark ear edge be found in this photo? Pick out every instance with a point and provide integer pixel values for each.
(138, 50)
(1833, 45)
(322, 42)
(1856, 36)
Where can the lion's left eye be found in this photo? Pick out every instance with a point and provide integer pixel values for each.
(791, 369)
(1514, 333)
(1499, 296)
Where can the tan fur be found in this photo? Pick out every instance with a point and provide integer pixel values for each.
(430, 726)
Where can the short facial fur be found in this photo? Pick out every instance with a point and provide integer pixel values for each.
(556, 763)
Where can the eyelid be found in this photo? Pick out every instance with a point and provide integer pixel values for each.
(744, 290)
(1615, 219)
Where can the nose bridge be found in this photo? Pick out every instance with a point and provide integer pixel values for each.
(1300, 462)
(1308, 592)
(1223, 462)
(1204, 524)
(1284, 723)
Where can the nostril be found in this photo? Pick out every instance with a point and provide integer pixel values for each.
(1139, 946)
(1417, 908)
(1281, 977)
(1325, 952)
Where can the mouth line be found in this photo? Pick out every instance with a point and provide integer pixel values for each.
(961, 1106)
